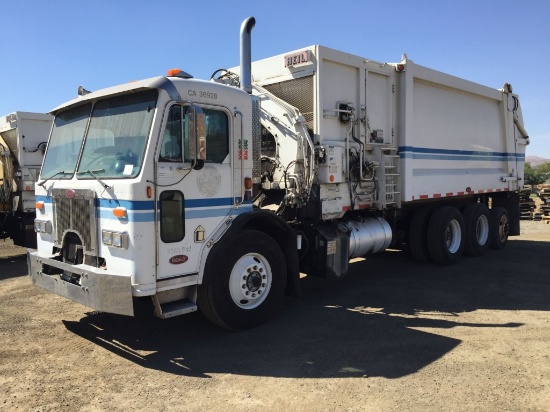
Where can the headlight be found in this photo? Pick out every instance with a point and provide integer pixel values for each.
(115, 239)
(43, 226)
(107, 237)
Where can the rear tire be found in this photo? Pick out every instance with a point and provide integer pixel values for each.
(244, 282)
(500, 227)
(446, 235)
(418, 234)
(477, 223)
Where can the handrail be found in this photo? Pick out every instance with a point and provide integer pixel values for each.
(236, 204)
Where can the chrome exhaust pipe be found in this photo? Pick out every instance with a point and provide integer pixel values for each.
(246, 54)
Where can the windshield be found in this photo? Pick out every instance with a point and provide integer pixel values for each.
(65, 142)
(117, 136)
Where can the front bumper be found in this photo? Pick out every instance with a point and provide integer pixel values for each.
(98, 289)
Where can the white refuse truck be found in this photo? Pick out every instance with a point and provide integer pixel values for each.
(218, 194)
(23, 138)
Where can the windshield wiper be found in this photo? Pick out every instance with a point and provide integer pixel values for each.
(54, 175)
(105, 185)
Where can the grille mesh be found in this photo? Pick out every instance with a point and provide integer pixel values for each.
(299, 93)
(78, 215)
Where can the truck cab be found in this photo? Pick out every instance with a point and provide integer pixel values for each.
(138, 183)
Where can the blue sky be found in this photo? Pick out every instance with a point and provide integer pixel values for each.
(50, 48)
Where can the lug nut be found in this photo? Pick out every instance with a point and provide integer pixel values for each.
(247, 293)
(263, 285)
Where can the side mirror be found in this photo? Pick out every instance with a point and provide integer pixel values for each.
(196, 131)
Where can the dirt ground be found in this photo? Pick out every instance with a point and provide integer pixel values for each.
(394, 335)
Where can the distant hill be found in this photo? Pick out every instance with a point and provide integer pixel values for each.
(535, 161)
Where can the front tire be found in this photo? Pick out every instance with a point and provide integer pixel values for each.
(244, 281)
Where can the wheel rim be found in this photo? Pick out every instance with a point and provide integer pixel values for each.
(503, 228)
(482, 230)
(453, 236)
(250, 281)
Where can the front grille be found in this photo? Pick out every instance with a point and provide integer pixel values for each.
(78, 215)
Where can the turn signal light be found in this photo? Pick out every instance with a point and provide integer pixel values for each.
(119, 211)
(39, 205)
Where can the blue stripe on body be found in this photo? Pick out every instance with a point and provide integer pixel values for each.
(149, 204)
(411, 152)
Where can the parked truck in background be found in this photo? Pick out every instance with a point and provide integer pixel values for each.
(217, 194)
(23, 138)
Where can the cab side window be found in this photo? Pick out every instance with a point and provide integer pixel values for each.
(217, 136)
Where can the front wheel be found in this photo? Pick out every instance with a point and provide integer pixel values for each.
(244, 281)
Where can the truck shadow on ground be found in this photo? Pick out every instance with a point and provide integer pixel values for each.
(364, 325)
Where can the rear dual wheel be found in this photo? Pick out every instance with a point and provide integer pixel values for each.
(477, 222)
(446, 235)
(418, 234)
(500, 227)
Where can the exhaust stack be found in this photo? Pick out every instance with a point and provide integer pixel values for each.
(246, 54)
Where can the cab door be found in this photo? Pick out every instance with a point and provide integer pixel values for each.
(192, 202)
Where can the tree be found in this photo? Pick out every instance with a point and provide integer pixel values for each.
(544, 169)
(537, 175)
